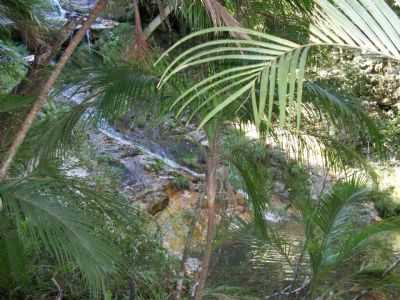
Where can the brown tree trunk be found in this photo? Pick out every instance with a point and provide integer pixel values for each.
(44, 93)
(211, 191)
(140, 47)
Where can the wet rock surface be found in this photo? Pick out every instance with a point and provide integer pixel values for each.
(83, 6)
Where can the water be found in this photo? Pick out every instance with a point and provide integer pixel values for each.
(113, 134)
(88, 39)
(58, 11)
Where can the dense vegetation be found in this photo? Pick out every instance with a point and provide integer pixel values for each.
(276, 117)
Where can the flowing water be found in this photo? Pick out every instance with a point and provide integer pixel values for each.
(118, 137)
(57, 11)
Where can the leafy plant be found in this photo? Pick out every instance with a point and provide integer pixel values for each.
(268, 67)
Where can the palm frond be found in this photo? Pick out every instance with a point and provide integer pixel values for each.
(252, 165)
(279, 64)
(108, 92)
(334, 239)
(10, 103)
(53, 210)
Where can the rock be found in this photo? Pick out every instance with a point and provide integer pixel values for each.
(192, 266)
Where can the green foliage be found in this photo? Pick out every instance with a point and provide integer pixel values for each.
(113, 44)
(46, 198)
(337, 239)
(180, 182)
(387, 207)
(12, 66)
(156, 166)
(268, 67)
(391, 132)
(251, 161)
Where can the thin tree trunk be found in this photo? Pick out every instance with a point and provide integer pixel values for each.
(43, 95)
(188, 242)
(163, 15)
(157, 21)
(211, 191)
(139, 47)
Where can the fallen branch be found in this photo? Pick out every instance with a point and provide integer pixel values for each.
(285, 292)
(60, 295)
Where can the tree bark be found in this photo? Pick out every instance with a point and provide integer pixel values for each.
(157, 21)
(211, 191)
(44, 93)
(163, 15)
(139, 48)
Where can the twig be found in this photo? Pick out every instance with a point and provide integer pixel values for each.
(362, 294)
(132, 292)
(385, 273)
(60, 294)
(285, 291)
(391, 268)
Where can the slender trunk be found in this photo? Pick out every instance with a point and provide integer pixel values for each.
(188, 242)
(157, 21)
(163, 15)
(211, 191)
(138, 19)
(139, 48)
(44, 93)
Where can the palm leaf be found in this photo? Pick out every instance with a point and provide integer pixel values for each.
(357, 24)
(51, 209)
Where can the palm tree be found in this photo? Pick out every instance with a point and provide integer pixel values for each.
(336, 234)
(275, 67)
(266, 74)
(43, 205)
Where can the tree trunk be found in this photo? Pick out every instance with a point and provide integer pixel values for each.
(44, 93)
(211, 191)
(139, 49)
(163, 14)
(157, 21)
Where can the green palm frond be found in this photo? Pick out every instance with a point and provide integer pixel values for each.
(17, 11)
(252, 166)
(344, 113)
(108, 92)
(193, 14)
(270, 68)
(52, 210)
(10, 103)
(334, 239)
